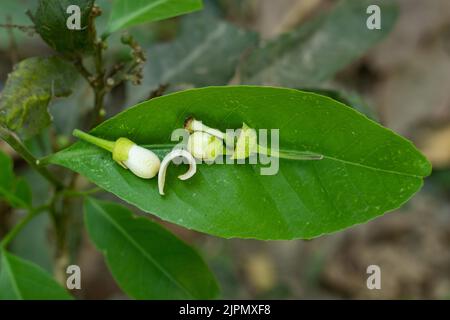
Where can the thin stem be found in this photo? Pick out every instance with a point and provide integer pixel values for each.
(59, 220)
(99, 108)
(21, 224)
(100, 85)
(102, 143)
(78, 63)
(17, 145)
(17, 26)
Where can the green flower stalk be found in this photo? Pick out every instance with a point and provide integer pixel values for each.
(142, 162)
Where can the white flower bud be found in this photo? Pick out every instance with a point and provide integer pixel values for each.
(205, 146)
(142, 162)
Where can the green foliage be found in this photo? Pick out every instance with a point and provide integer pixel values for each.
(50, 20)
(20, 279)
(192, 58)
(127, 13)
(367, 170)
(319, 48)
(15, 191)
(147, 261)
(28, 91)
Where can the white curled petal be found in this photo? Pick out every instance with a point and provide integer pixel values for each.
(142, 162)
(165, 164)
(192, 166)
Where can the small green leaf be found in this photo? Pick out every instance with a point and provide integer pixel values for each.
(23, 280)
(15, 191)
(147, 261)
(317, 50)
(50, 20)
(28, 91)
(127, 13)
(367, 170)
(192, 58)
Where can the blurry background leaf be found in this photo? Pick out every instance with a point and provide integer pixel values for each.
(147, 261)
(15, 12)
(50, 20)
(318, 49)
(367, 170)
(33, 243)
(67, 113)
(199, 56)
(15, 191)
(28, 91)
(348, 98)
(127, 13)
(21, 279)
(144, 33)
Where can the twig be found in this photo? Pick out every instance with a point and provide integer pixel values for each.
(17, 145)
(99, 86)
(22, 28)
(59, 220)
(78, 63)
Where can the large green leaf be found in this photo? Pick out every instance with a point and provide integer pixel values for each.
(20, 279)
(24, 100)
(50, 20)
(147, 261)
(366, 171)
(192, 58)
(127, 13)
(15, 191)
(314, 52)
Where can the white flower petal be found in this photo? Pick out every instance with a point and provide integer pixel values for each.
(165, 164)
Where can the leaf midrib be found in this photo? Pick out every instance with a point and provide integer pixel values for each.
(142, 250)
(356, 164)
